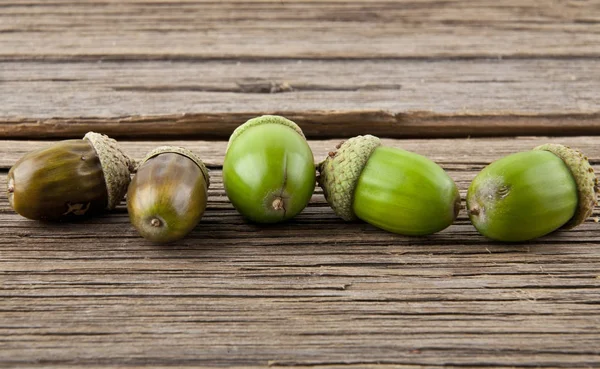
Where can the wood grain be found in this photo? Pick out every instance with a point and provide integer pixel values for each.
(197, 69)
(312, 292)
(466, 153)
(184, 30)
(207, 100)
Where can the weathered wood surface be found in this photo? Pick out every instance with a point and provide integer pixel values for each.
(197, 69)
(313, 292)
(158, 29)
(328, 99)
(467, 152)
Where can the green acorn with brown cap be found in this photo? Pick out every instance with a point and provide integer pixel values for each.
(168, 194)
(530, 194)
(69, 179)
(269, 170)
(393, 189)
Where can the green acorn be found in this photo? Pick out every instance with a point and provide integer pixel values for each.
(269, 172)
(393, 189)
(167, 196)
(69, 179)
(530, 194)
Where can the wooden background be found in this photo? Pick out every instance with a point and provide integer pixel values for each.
(463, 82)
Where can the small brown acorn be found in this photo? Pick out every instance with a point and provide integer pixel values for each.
(69, 179)
(167, 196)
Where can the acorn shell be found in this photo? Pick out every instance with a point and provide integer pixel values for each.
(393, 189)
(522, 196)
(68, 179)
(167, 196)
(405, 193)
(64, 180)
(268, 171)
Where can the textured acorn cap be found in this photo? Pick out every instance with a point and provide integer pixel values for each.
(116, 166)
(181, 151)
(264, 119)
(339, 173)
(583, 173)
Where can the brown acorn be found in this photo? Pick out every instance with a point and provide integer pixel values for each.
(167, 196)
(69, 179)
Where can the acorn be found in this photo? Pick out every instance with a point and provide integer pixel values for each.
(393, 189)
(167, 196)
(268, 171)
(530, 194)
(69, 179)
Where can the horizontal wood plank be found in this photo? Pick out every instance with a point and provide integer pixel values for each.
(134, 29)
(463, 153)
(312, 292)
(207, 100)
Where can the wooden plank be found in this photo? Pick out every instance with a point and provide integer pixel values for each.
(133, 29)
(312, 292)
(455, 153)
(207, 100)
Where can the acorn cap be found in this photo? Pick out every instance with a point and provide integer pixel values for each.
(264, 119)
(116, 166)
(339, 173)
(181, 151)
(583, 173)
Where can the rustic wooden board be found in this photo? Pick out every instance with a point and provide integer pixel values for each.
(158, 29)
(471, 153)
(312, 292)
(208, 99)
(197, 69)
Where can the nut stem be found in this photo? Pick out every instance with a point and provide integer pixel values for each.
(277, 203)
(155, 222)
(11, 185)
